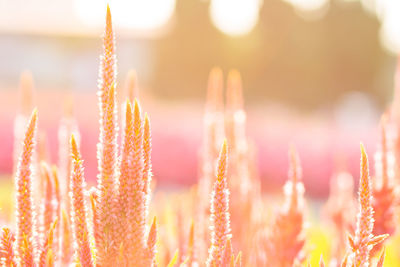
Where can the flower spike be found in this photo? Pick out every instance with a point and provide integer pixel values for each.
(7, 247)
(107, 149)
(24, 206)
(79, 208)
(107, 203)
(108, 69)
(363, 240)
(147, 161)
(47, 249)
(136, 213)
(287, 238)
(220, 217)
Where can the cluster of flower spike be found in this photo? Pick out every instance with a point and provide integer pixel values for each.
(108, 224)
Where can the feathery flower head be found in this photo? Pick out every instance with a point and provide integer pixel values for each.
(136, 212)
(363, 241)
(107, 151)
(125, 169)
(7, 248)
(79, 208)
(108, 68)
(47, 249)
(287, 238)
(26, 92)
(220, 218)
(107, 166)
(24, 205)
(384, 199)
(147, 175)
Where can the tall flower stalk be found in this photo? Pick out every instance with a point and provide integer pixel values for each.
(220, 218)
(286, 241)
(107, 150)
(79, 209)
(363, 240)
(383, 200)
(26, 245)
(7, 248)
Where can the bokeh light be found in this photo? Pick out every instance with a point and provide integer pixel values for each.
(310, 9)
(235, 17)
(388, 12)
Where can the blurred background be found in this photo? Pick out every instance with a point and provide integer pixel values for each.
(316, 73)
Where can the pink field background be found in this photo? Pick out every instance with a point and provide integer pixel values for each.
(177, 135)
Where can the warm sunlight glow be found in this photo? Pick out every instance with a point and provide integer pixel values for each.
(308, 5)
(133, 14)
(235, 17)
(390, 29)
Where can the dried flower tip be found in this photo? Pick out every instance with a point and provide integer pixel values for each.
(131, 85)
(234, 94)
(215, 100)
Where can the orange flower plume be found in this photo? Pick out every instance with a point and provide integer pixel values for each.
(46, 258)
(363, 240)
(24, 206)
(147, 175)
(125, 173)
(106, 203)
(108, 67)
(287, 239)
(108, 225)
(213, 135)
(220, 222)
(384, 200)
(26, 92)
(79, 209)
(135, 215)
(7, 248)
(107, 150)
